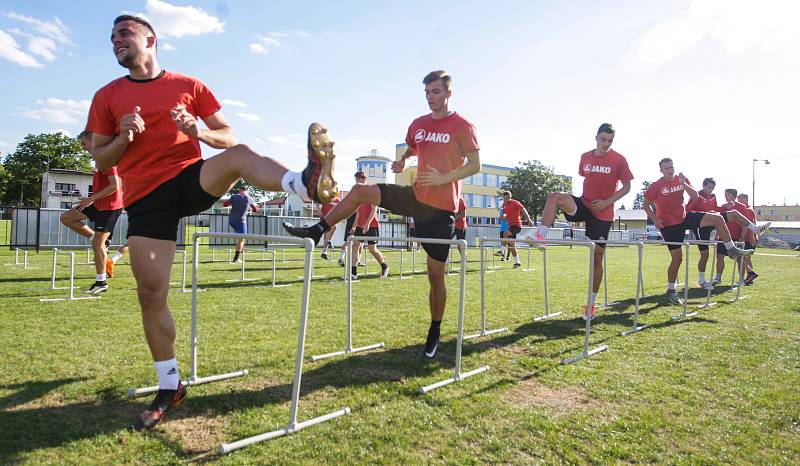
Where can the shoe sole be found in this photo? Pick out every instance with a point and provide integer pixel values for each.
(322, 148)
(177, 403)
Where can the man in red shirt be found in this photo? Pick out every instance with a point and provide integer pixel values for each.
(147, 125)
(602, 170)
(705, 201)
(442, 141)
(736, 216)
(103, 208)
(323, 211)
(750, 239)
(670, 216)
(460, 224)
(366, 224)
(513, 210)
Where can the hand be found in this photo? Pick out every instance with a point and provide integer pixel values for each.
(185, 121)
(599, 204)
(728, 205)
(399, 165)
(84, 203)
(431, 177)
(132, 123)
(364, 228)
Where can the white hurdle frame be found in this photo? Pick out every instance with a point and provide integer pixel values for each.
(242, 278)
(24, 263)
(53, 286)
(483, 332)
(183, 273)
(72, 286)
(274, 285)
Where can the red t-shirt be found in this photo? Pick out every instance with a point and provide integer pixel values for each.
(443, 145)
(327, 208)
(750, 214)
(461, 223)
(702, 203)
(513, 209)
(600, 176)
(734, 227)
(161, 151)
(364, 209)
(100, 181)
(668, 197)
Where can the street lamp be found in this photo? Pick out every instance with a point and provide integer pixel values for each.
(753, 193)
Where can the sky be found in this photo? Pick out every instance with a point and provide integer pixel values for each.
(710, 83)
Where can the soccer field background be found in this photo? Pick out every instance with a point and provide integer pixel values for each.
(720, 388)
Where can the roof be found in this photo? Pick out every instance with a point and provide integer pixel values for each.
(626, 214)
(781, 224)
(68, 172)
(276, 201)
(374, 157)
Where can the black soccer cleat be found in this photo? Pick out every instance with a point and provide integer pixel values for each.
(98, 287)
(304, 232)
(165, 401)
(431, 344)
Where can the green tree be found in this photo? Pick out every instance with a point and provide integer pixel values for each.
(33, 157)
(5, 178)
(638, 202)
(531, 182)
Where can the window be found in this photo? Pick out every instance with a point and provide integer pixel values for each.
(90, 190)
(501, 179)
(65, 187)
(66, 205)
(491, 180)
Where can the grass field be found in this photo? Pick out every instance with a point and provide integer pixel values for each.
(721, 388)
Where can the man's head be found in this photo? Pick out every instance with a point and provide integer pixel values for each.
(708, 185)
(437, 90)
(730, 194)
(133, 40)
(361, 178)
(604, 138)
(243, 190)
(743, 199)
(85, 138)
(506, 195)
(665, 165)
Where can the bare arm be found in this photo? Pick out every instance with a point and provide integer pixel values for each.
(652, 215)
(688, 187)
(527, 216)
(219, 134)
(113, 184)
(432, 176)
(399, 165)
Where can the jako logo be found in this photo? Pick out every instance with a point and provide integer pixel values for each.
(420, 135)
(589, 168)
(673, 189)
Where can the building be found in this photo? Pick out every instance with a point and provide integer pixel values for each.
(633, 220)
(374, 166)
(784, 213)
(62, 188)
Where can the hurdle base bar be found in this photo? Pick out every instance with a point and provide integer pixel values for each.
(706, 306)
(233, 280)
(484, 333)
(226, 448)
(134, 392)
(584, 355)
(609, 305)
(546, 316)
(634, 329)
(684, 316)
(50, 300)
(347, 351)
(456, 378)
(733, 300)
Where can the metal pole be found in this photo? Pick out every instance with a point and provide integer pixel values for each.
(193, 340)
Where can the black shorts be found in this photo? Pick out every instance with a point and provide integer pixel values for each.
(596, 229)
(429, 222)
(721, 250)
(104, 220)
(460, 233)
(749, 245)
(157, 214)
(703, 234)
(514, 231)
(349, 225)
(372, 231)
(677, 233)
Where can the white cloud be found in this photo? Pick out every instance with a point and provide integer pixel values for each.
(10, 50)
(278, 140)
(251, 117)
(63, 131)
(180, 21)
(45, 47)
(233, 103)
(266, 43)
(167, 47)
(59, 111)
(55, 29)
(738, 24)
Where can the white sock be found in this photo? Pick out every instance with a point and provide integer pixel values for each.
(168, 375)
(542, 231)
(594, 298)
(729, 245)
(753, 227)
(292, 182)
(117, 256)
(516, 259)
(101, 277)
(702, 276)
(670, 286)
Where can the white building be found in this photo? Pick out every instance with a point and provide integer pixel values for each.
(62, 188)
(374, 166)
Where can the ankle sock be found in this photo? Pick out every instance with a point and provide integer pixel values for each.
(168, 375)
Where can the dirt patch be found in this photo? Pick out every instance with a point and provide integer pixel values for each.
(559, 401)
(202, 433)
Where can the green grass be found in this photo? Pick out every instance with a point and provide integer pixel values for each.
(721, 388)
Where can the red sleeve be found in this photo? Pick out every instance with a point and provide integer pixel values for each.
(651, 193)
(580, 167)
(468, 139)
(412, 144)
(625, 174)
(205, 104)
(101, 119)
(226, 203)
(255, 207)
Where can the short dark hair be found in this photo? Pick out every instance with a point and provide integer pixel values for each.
(138, 20)
(663, 161)
(360, 174)
(606, 128)
(709, 181)
(732, 192)
(437, 75)
(83, 133)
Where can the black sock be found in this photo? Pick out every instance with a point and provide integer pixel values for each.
(354, 270)
(323, 225)
(435, 326)
(236, 256)
(384, 266)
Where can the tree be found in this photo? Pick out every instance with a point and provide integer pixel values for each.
(531, 182)
(638, 202)
(5, 179)
(34, 156)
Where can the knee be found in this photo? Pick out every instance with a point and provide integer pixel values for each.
(152, 296)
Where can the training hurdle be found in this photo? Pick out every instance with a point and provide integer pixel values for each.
(243, 278)
(17, 263)
(183, 289)
(458, 374)
(72, 286)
